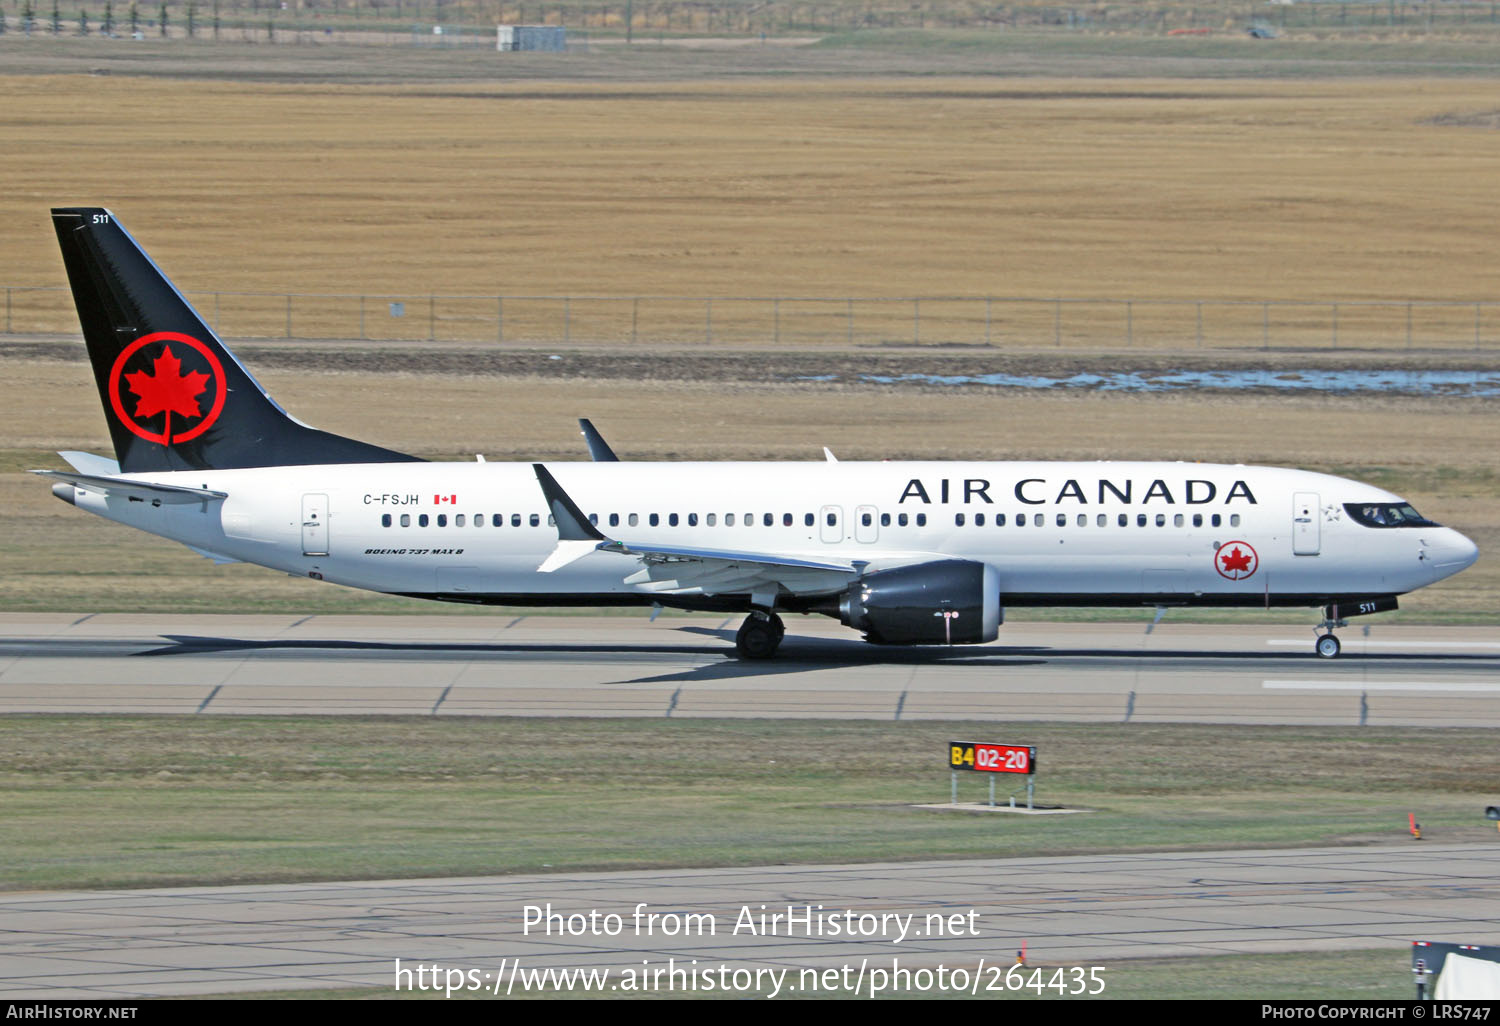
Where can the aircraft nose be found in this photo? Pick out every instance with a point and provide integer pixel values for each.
(1452, 553)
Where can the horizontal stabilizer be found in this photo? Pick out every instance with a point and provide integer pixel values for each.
(141, 491)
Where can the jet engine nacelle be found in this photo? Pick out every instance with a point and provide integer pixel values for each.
(948, 601)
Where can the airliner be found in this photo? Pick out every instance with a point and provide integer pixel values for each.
(907, 553)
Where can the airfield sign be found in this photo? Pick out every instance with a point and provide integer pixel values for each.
(984, 757)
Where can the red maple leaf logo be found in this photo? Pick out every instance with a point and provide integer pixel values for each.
(169, 391)
(1236, 561)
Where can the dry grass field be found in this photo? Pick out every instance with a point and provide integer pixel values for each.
(1241, 189)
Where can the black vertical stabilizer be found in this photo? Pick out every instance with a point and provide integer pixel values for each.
(174, 396)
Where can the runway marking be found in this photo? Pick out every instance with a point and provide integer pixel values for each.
(1389, 685)
(1414, 643)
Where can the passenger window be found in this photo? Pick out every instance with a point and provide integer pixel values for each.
(422, 520)
(1101, 520)
(442, 520)
(634, 520)
(958, 520)
(1161, 520)
(728, 519)
(1177, 520)
(478, 519)
(536, 520)
(1217, 520)
(978, 519)
(1083, 520)
(497, 520)
(1038, 520)
(692, 520)
(594, 519)
(458, 520)
(654, 519)
(406, 520)
(768, 519)
(713, 519)
(515, 520)
(999, 519)
(1062, 520)
(1124, 519)
(614, 520)
(901, 520)
(1234, 520)
(1197, 519)
(1140, 520)
(833, 519)
(885, 520)
(551, 521)
(921, 519)
(808, 519)
(786, 520)
(385, 520)
(671, 519)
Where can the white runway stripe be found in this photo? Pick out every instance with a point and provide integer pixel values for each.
(1412, 643)
(1384, 685)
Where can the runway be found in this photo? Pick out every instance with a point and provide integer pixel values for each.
(627, 666)
(1078, 911)
(624, 666)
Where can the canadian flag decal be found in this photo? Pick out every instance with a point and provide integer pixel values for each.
(438, 500)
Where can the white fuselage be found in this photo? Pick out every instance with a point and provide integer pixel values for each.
(1067, 533)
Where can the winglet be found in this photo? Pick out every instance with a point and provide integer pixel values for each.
(572, 525)
(599, 450)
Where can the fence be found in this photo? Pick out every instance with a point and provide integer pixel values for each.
(998, 321)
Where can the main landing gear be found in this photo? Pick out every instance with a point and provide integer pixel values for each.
(759, 636)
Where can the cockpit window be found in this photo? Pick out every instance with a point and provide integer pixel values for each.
(1398, 514)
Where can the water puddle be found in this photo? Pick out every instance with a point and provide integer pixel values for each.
(1478, 384)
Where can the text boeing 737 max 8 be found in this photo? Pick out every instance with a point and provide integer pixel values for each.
(907, 553)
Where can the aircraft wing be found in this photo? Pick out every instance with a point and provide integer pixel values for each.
(141, 491)
(678, 570)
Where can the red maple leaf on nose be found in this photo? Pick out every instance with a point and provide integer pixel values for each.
(1235, 561)
(167, 390)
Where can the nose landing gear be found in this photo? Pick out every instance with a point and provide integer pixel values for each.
(759, 636)
(1327, 645)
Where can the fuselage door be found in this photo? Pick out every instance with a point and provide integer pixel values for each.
(831, 524)
(866, 524)
(1306, 526)
(315, 525)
